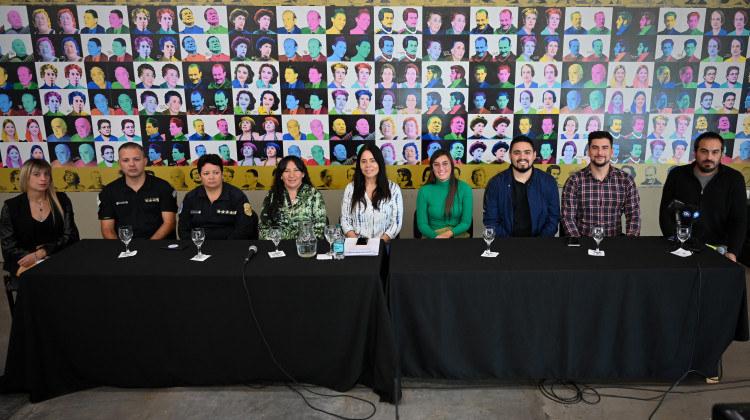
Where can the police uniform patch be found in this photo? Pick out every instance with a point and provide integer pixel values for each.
(248, 209)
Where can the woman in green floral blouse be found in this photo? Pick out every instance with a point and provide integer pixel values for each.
(292, 199)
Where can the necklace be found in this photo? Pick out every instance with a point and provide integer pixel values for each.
(40, 217)
(39, 203)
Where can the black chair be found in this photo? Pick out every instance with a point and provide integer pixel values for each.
(9, 289)
(255, 234)
(418, 234)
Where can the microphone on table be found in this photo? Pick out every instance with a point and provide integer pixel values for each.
(684, 212)
(250, 253)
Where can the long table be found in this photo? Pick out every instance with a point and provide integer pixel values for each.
(85, 318)
(545, 310)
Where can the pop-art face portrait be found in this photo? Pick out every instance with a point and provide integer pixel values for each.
(469, 78)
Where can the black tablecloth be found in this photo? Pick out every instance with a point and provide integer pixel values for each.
(86, 318)
(545, 310)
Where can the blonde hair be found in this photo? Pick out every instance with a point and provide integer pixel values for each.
(34, 165)
(44, 68)
(336, 66)
(137, 11)
(386, 119)
(247, 119)
(5, 135)
(613, 82)
(44, 12)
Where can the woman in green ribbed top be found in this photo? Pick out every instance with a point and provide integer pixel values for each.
(444, 203)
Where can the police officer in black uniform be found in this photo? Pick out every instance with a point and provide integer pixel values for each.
(221, 209)
(140, 200)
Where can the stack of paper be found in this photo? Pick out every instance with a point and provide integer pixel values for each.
(352, 249)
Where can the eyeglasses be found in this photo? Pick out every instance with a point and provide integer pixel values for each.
(439, 164)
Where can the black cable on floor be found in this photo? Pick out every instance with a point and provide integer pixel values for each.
(291, 378)
(330, 396)
(579, 393)
(713, 388)
(395, 396)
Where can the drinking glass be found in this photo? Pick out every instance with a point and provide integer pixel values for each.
(198, 235)
(274, 234)
(330, 234)
(488, 233)
(598, 235)
(683, 234)
(126, 235)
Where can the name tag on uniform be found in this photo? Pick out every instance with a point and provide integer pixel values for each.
(119, 203)
(151, 200)
(195, 212)
(227, 212)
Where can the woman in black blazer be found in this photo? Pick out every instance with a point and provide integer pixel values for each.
(36, 223)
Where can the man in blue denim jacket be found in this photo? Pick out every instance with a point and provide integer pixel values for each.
(521, 200)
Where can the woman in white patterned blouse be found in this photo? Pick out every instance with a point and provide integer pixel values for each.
(372, 206)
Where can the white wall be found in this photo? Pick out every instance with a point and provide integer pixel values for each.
(84, 204)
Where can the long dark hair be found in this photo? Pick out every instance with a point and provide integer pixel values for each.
(276, 193)
(453, 186)
(382, 191)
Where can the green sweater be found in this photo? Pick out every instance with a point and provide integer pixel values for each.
(431, 205)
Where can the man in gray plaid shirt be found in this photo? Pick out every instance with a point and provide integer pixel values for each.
(599, 194)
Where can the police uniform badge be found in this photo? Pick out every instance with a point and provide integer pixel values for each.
(248, 209)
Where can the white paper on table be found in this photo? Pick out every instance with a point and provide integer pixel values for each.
(124, 254)
(276, 254)
(490, 254)
(325, 257)
(351, 249)
(203, 257)
(594, 253)
(682, 252)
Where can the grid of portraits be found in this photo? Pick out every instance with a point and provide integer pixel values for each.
(254, 83)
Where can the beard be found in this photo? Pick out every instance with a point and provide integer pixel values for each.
(707, 166)
(600, 165)
(522, 170)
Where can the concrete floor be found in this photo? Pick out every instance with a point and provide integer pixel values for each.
(421, 400)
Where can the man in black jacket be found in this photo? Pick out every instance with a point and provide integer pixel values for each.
(137, 199)
(718, 190)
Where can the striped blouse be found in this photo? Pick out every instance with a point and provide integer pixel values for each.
(368, 222)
